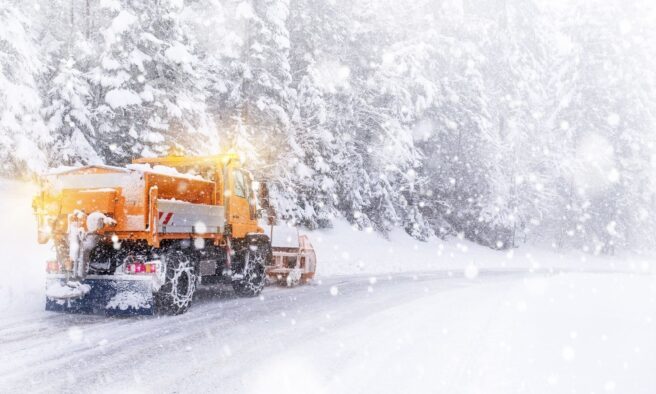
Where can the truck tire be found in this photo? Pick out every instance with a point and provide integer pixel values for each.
(252, 277)
(177, 292)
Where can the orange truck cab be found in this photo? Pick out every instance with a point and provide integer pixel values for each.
(141, 238)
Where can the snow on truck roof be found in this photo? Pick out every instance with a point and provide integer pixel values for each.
(163, 170)
(157, 169)
(62, 170)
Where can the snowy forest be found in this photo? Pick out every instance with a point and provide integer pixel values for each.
(498, 121)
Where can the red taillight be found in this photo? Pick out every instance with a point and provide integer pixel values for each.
(52, 267)
(141, 268)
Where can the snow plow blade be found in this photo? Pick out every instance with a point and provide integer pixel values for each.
(112, 297)
(292, 263)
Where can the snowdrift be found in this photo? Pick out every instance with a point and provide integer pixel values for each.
(345, 250)
(22, 261)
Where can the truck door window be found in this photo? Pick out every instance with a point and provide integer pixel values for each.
(252, 202)
(240, 185)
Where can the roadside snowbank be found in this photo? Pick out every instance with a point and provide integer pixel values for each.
(343, 250)
(22, 261)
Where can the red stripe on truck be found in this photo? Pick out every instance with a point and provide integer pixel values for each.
(168, 218)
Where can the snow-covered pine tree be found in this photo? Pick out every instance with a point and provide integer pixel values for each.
(317, 33)
(521, 186)
(439, 92)
(220, 59)
(70, 48)
(69, 117)
(260, 127)
(610, 195)
(23, 136)
(375, 157)
(316, 150)
(151, 96)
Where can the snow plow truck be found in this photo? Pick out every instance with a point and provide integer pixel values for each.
(141, 238)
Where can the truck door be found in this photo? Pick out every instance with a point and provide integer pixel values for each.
(241, 214)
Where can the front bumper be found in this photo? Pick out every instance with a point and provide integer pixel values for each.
(113, 295)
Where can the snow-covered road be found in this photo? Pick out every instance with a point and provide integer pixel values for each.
(500, 332)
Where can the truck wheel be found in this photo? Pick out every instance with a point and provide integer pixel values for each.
(175, 296)
(250, 281)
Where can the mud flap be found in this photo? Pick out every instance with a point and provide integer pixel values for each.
(112, 297)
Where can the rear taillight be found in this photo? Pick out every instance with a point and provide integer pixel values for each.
(141, 268)
(52, 267)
